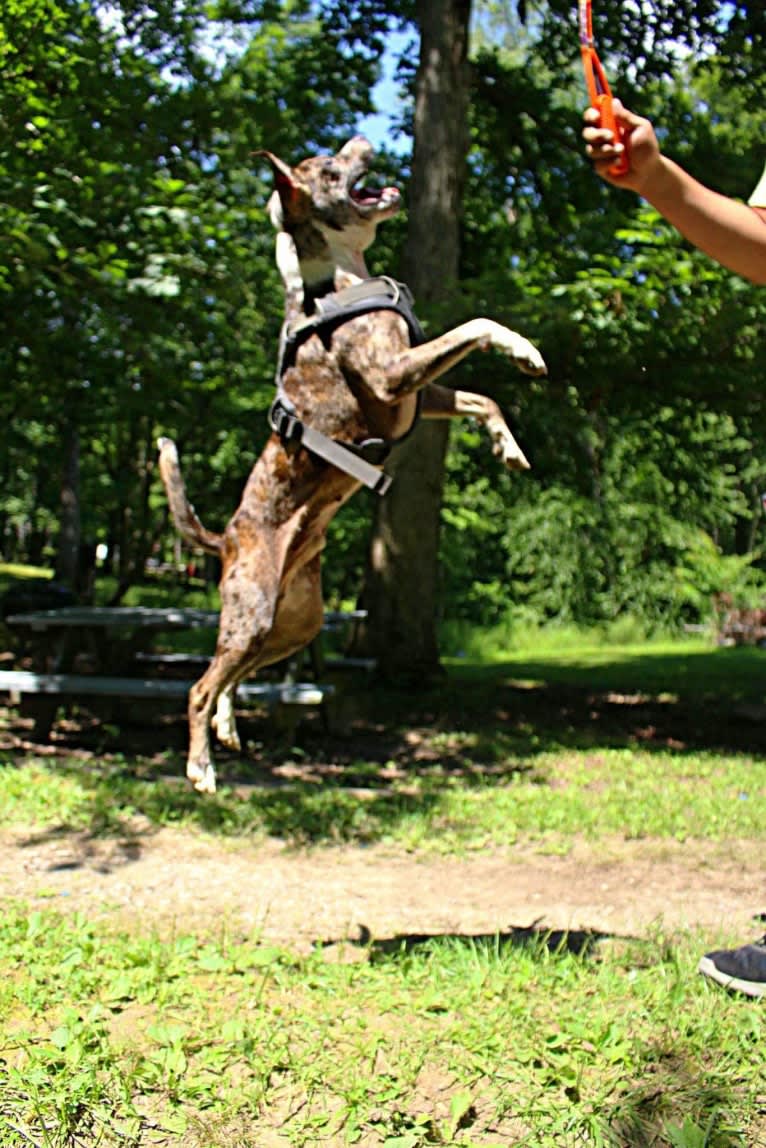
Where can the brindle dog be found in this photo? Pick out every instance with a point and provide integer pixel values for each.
(360, 381)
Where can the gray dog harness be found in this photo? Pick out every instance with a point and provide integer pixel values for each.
(360, 460)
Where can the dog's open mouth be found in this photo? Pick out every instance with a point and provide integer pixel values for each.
(367, 197)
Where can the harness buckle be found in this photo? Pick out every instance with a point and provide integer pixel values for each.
(395, 286)
(285, 422)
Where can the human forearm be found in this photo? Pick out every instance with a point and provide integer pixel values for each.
(725, 229)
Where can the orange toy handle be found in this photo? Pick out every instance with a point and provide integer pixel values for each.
(599, 92)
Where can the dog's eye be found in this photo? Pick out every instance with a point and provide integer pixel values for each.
(331, 174)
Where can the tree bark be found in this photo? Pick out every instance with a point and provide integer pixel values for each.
(401, 581)
(68, 552)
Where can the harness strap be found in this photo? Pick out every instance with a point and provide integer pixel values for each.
(379, 294)
(292, 430)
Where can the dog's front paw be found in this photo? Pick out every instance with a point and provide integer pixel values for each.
(505, 447)
(525, 355)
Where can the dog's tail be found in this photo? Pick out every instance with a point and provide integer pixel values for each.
(184, 515)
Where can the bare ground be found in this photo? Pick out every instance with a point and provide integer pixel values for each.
(178, 879)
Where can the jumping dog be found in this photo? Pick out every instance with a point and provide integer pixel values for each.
(354, 373)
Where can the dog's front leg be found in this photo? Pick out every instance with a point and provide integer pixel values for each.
(420, 365)
(443, 403)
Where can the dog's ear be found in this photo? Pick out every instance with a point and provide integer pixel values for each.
(294, 197)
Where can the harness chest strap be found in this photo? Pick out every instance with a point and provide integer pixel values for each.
(291, 429)
(378, 294)
(331, 311)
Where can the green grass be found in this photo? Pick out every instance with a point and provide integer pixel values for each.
(689, 670)
(202, 1040)
(12, 570)
(219, 1043)
(545, 802)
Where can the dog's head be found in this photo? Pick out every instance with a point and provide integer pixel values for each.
(328, 193)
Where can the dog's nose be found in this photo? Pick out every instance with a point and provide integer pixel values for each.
(358, 144)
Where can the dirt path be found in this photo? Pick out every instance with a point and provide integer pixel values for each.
(179, 879)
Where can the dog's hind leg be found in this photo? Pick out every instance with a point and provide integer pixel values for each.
(221, 676)
(295, 620)
(249, 595)
(298, 621)
(443, 403)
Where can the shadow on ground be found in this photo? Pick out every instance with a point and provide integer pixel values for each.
(483, 724)
(577, 942)
(711, 699)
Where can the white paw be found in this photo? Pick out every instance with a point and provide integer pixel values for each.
(505, 447)
(225, 730)
(526, 356)
(523, 353)
(202, 777)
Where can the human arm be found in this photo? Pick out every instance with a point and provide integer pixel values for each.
(731, 232)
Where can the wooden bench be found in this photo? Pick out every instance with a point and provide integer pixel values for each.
(200, 662)
(39, 694)
(113, 637)
(74, 685)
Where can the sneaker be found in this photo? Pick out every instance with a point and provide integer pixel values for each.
(743, 969)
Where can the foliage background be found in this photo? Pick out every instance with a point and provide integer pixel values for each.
(139, 295)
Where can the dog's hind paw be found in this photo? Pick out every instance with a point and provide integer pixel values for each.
(224, 722)
(202, 777)
(226, 733)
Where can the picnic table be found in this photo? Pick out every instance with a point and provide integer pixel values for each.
(115, 643)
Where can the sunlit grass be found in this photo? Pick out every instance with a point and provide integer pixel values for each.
(549, 800)
(456, 1041)
(677, 669)
(11, 570)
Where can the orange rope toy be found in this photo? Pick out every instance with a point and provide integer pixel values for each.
(598, 86)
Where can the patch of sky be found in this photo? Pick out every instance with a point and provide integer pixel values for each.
(387, 99)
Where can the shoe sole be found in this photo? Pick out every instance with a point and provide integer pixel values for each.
(750, 988)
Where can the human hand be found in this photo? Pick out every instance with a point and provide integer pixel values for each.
(640, 143)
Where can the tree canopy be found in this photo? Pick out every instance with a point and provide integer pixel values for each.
(139, 294)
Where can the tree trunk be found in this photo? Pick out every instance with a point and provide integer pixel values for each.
(68, 553)
(401, 581)
(139, 528)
